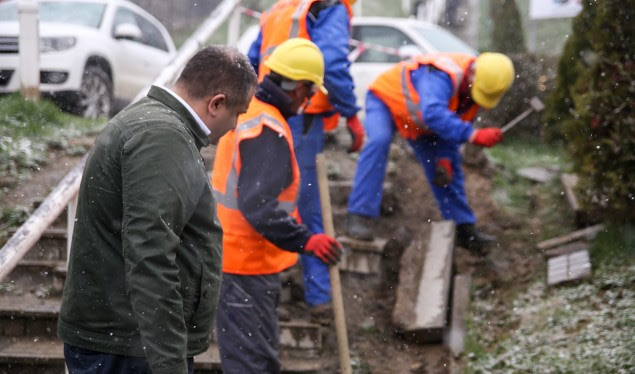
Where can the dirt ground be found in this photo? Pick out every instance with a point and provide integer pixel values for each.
(375, 347)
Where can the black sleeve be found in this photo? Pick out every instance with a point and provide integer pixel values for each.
(265, 172)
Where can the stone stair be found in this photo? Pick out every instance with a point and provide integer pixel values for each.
(30, 299)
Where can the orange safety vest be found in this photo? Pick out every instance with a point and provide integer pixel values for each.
(286, 20)
(245, 251)
(395, 89)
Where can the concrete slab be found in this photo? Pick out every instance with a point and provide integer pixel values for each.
(362, 257)
(570, 267)
(460, 304)
(300, 335)
(537, 174)
(422, 301)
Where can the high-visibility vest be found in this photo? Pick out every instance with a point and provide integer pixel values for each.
(285, 20)
(245, 251)
(395, 89)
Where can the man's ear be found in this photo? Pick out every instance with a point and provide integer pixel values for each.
(216, 102)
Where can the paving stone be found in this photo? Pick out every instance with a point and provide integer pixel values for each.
(422, 300)
(537, 174)
(569, 267)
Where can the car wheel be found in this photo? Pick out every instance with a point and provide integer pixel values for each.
(95, 95)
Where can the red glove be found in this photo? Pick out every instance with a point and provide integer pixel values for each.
(325, 248)
(357, 133)
(487, 137)
(443, 172)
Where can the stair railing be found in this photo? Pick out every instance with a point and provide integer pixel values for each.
(65, 193)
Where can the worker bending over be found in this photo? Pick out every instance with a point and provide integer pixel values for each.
(431, 100)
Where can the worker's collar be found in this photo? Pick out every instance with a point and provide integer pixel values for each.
(269, 92)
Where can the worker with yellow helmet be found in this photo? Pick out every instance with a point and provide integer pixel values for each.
(256, 181)
(327, 23)
(430, 100)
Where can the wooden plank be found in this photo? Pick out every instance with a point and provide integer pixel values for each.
(568, 267)
(424, 283)
(586, 234)
(460, 306)
(566, 249)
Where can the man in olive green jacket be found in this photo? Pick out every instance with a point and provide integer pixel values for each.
(145, 260)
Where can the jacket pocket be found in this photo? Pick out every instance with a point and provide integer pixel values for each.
(205, 301)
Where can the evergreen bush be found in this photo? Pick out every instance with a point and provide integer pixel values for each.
(592, 105)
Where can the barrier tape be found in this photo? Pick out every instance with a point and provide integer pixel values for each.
(360, 47)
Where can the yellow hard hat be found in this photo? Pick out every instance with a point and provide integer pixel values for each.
(493, 76)
(298, 59)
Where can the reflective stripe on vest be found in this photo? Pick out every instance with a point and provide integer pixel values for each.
(228, 199)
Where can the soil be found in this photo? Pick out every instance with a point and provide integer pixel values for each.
(368, 300)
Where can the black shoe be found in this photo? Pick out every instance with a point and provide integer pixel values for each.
(358, 227)
(467, 236)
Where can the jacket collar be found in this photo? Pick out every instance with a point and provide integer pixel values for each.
(173, 103)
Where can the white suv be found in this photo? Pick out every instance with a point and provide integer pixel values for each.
(95, 55)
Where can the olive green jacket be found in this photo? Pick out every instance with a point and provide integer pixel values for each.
(145, 261)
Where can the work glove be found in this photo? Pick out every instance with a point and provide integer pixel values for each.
(443, 172)
(487, 137)
(325, 248)
(357, 133)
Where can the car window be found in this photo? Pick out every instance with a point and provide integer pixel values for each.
(67, 12)
(444, 41)
(381, 35)
(150, 34)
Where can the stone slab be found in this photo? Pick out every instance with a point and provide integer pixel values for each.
(460, 306)
(570, 267)
(423, 292)
(537, 174)
(362, 257)
(300, 335)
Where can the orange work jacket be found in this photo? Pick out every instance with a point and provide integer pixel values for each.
(286, 20)
(395, 89)
(245, 251)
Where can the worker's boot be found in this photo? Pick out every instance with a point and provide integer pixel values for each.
(467, 236)
(358, 227)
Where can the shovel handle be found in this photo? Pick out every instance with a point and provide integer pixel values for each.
(334, 271)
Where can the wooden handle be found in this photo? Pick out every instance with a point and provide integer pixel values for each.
(334, 271)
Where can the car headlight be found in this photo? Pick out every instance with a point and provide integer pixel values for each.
(56, 43)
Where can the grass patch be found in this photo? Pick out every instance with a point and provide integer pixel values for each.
(27, 129)
(587, 327)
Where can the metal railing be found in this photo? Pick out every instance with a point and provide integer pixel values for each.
(65, 193)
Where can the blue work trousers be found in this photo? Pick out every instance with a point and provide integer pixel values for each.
(86, 361)
(365, 198)
(317, 284)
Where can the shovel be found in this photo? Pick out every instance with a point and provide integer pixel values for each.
(535, 106)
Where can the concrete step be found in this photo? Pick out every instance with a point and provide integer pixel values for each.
(362, 257)
(340, 190)
(38, 356)
(27, 315)
(425, 275)
(51, 246)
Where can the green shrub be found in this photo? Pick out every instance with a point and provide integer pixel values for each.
(592, 105)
